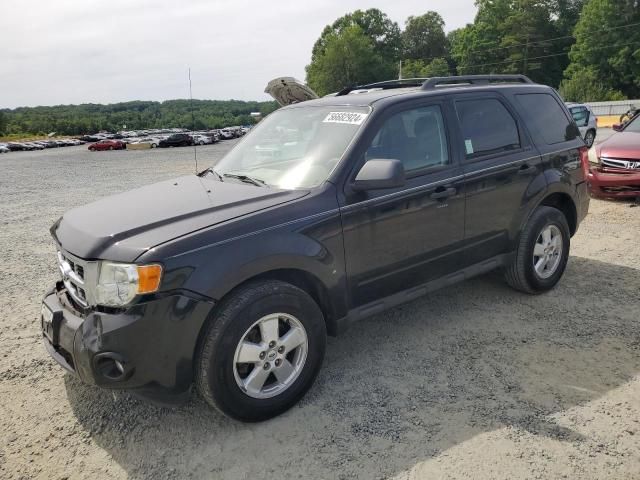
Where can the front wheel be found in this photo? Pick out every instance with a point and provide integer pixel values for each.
(262, 351)
(542, 253)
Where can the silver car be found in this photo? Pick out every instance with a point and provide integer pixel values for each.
(586, 121)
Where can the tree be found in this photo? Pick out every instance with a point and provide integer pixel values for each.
(383, 33)
(423, 37)
(438, 67)
(348, 58)
(584, 86)
(608, 46)
(517, 36)
(3, 123)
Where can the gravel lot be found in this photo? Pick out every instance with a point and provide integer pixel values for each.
(476, 381)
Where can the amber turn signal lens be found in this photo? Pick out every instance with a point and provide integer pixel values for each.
(149, 278)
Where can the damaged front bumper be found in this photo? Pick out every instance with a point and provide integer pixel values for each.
(609, 182)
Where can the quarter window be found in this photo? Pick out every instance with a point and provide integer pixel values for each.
(547, 118)
(416, 137)
(487, 127)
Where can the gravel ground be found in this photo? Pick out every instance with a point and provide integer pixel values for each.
(476, 381)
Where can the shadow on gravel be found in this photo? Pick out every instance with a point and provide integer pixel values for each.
(403, 386)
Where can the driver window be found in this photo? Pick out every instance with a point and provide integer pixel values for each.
(416, 137)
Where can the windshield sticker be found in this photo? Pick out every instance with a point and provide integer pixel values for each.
(352, 118)
(469, 146)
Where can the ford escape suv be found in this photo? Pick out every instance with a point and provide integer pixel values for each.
(330, 210)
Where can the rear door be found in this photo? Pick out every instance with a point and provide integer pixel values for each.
(397, 239)
(499, 164)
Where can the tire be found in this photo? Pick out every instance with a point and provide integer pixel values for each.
(521, 274)
(589, 138)
(153, 145)
(218, 375)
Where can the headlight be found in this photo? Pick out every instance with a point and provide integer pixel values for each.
(593, 157)
(119, 283)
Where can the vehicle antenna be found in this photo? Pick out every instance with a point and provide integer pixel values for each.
(193, 123)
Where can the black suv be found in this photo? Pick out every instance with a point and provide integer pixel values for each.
(176, 140)
(329, 211)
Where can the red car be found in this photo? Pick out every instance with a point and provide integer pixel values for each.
(617, 173)
(107, 145)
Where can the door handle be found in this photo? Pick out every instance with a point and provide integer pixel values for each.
(525, 169)
(442, 192)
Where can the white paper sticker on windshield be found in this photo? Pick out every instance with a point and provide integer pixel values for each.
(469, 146)
(353, 118)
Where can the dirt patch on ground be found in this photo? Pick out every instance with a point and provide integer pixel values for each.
(476, 381)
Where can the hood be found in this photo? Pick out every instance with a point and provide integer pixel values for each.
(288, 90)
(623, 145)
(122, 227)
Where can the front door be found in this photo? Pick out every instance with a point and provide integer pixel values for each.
(396, 239)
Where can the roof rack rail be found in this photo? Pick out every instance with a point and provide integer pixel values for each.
(385, 85)
(465, 80)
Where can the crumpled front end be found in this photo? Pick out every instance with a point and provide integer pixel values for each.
(611, 182)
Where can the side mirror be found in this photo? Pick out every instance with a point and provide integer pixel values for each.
(617, 127)
(378, 174)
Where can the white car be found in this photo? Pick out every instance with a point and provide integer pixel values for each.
(151, 141)
(586, 121)
(201, 140)
(4, 148)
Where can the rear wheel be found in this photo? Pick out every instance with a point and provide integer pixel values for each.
(262, 351)
(589, 138)
(542, 253)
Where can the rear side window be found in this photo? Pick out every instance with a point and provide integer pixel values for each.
(580, 116)
(487, 127)
(546, 117)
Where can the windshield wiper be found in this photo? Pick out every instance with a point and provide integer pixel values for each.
(247, 179)
(211, 170)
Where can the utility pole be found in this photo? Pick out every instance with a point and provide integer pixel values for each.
(526, 56)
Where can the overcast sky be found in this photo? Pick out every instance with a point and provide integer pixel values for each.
(99, 51)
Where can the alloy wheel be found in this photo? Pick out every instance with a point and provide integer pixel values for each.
(270, 355)
(547, 251)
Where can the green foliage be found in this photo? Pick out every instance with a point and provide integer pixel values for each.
(438, 67)
(585, 86)
(3, 122)
(515, 36)
(423, 37)
(608, 53)
(348, 57)
(383, 33)
(90, 118)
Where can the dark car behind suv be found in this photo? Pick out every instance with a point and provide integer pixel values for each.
(329, 211)
(176, 140)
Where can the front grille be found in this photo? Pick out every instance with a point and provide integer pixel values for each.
(620, 163)
(75, 276)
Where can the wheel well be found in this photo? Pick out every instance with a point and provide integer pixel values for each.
(307, 282)
(564, 203)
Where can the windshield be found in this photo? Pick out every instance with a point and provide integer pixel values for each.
(633, 126)
(295, 147)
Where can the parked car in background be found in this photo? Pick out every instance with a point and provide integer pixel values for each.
(35, 145)
(616, 169)
(176, 140)
(586, 121)
(202, 140)
(226, 134)
(232, 279)
(4, 148)
(107, 145)
(153, 142)
(18, 146)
